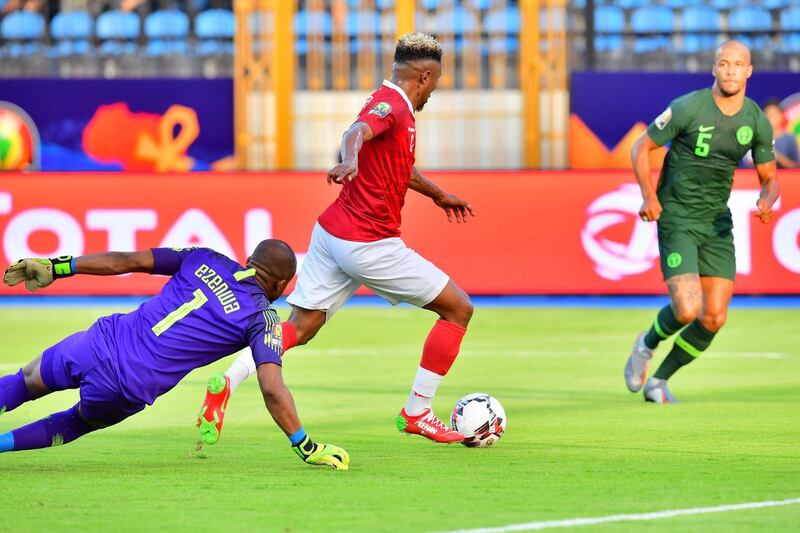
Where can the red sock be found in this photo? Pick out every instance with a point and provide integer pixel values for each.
(441, 347)
(289, 336)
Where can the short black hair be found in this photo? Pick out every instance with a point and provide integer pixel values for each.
(417, 46)
(772, 102)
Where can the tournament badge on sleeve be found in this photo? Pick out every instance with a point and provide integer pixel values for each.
(274, 337)
(381, 109)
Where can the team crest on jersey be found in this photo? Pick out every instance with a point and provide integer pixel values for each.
(744, 135)
(274, 336)
(381, 109)
(663, 119)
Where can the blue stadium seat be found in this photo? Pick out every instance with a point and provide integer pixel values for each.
(727, 4)
(701, 26)
(456, 21)
(791, 43)
(214, 30)
(311, 22)
(119, 31)
(750, 20)
(503, 27)
(652, 19)
(701, 19)
(24, 30)
(167, 31)
(790, 18)
(362, 24)
(631, 4)
(72, 33)
(609, 19)
(776, 4)
(609, 23)
(683, 4)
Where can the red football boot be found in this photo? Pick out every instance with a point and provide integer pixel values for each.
(209, 421)
(429, 426)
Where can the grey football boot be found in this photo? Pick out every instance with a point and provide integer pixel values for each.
(655, 390)
(636, 367)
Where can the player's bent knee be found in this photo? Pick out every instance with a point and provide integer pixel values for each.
(685, 313)
(713, 322)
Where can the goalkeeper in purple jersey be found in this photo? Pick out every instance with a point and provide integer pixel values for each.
(210, 308)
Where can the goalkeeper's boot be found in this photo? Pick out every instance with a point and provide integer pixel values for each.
(209, 421)
(429, 426)
(636, 367)
(655, 390)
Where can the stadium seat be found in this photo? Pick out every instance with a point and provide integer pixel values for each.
(631, 4)
(312, 22)
(649, 20)
(24, 30)
(72, 33)
(747, 22)
(214, 30)
(118, 31)
(683, 4)
(726, 4)
(503, 28)
(456, 21)
(776, 4)
(167, 31)
(790, 18)
(609, 23)
(701, 26)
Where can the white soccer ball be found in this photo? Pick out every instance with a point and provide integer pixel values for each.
(481, 419)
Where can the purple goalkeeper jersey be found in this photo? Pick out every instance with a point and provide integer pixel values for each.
(212, 307)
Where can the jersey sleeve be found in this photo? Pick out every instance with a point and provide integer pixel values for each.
(379, 116)
(763, 145)
(167, 261)
(266, 338)
(670, 122)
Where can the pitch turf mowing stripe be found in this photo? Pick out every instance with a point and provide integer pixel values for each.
(640, 517)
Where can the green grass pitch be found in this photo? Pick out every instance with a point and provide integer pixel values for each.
(578, 444)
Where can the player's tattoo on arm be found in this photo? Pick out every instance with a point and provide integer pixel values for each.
(768, 177)
(686, 296)
(422, 185)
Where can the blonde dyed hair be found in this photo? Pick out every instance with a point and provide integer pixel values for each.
(417, 46)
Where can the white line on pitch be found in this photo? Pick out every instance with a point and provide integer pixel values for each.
(640, 517)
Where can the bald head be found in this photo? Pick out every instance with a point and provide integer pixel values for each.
(732, 68)
(275, 259)
(733, 48)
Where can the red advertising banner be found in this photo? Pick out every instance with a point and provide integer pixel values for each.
(570, 232)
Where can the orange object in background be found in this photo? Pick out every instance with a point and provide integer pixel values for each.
(570, 232)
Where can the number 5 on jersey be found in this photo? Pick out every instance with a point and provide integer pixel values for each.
(704, 134)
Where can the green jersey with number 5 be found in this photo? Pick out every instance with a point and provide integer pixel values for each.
(707, 145)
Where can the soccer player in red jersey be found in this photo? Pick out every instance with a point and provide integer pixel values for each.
(356, 241)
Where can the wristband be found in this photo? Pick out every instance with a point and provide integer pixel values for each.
(305, 448)
(63, 266)
(297, 437)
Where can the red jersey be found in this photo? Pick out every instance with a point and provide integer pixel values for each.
(368, 207)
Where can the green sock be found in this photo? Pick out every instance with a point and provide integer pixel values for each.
(665, 325)
(688, 346)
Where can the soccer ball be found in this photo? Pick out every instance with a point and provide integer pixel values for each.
(480, 418)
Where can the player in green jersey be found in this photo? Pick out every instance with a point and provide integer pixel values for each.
(710, 130)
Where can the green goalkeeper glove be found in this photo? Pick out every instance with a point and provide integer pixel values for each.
(38, 273)
(322, 454)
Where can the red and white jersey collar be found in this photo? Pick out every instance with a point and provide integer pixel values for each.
(387, 83)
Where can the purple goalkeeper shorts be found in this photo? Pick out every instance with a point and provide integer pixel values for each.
(73, 364)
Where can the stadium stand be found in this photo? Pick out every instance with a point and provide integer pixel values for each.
(195, 37)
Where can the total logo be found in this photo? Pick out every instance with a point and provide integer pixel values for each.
(614, 260)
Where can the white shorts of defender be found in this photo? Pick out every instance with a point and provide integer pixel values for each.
(334, 269)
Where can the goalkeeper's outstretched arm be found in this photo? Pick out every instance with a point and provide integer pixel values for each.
(38, 273)
(280, 405)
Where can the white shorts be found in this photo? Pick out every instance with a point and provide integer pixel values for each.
(335, 268)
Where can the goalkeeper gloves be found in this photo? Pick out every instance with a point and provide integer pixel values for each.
(322, 454)
(38, 273)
